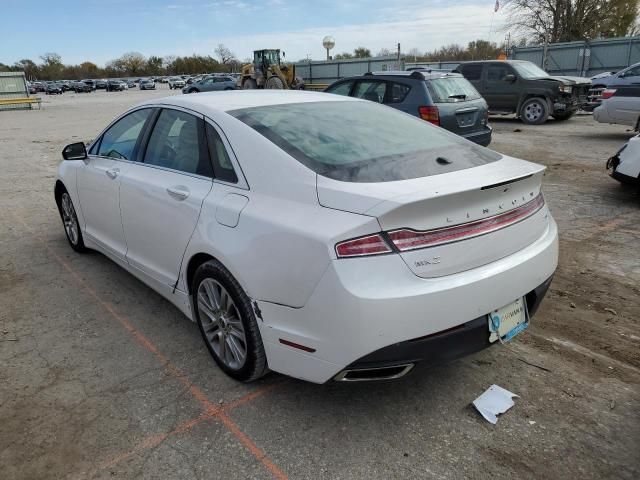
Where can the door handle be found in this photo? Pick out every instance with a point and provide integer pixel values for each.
(112, 173)
(179, 193)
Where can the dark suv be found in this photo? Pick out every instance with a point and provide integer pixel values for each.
(444, 99)
(520, 87)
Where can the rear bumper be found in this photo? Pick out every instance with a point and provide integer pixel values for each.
(363, 308)
(482, 137)
(443, 347)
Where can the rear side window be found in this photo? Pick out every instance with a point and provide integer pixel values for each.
(120, 140)
(222, 166)
(363, 142)
(341, 89)
(452, 89)
(397, 92)
(373, 91)
(177, 143)
(471, 72)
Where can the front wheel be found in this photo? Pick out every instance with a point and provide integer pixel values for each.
(275, 83)
(70, 222)
(534, 111)
(227, 323)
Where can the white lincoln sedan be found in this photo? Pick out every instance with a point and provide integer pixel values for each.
(316, 235)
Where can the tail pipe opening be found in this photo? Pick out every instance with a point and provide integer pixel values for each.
(377, 373)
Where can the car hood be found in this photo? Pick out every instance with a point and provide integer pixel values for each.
(569, 80)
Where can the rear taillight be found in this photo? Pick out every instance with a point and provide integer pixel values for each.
(359, 247)
(430, 114)
(405, 239)
(608, 93)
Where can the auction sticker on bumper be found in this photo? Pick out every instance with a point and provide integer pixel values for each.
(508, 321)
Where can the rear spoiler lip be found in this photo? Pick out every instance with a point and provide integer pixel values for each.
(506, 182)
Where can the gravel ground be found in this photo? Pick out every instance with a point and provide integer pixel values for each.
(102, 378)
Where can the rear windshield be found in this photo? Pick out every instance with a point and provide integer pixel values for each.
(358, 141)
(452, 89)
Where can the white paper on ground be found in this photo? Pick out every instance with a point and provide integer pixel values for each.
(493, 401)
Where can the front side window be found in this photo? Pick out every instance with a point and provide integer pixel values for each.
(176, 144)
(341, 89)
(363, 142)
(373, 91)
(497, 73)
(120, 140)
(222, 166)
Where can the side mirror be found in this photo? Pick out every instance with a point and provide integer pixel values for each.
(510, 78)
(75, 151)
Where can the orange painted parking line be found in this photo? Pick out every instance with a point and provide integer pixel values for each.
(210, 409)
(252, 447)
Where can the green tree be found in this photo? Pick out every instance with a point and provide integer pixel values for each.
(362, 52)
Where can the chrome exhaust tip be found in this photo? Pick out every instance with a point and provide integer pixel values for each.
(372, 374)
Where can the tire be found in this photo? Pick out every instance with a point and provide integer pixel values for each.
(534, 111)
(563, 116)
(249, 84)
(220, 320)
(70, 221)
(274, 83)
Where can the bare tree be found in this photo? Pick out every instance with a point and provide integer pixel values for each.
(224, 54)
(568, 20)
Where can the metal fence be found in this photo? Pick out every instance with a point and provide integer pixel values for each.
(13, 85)
(583, 59)
(331, 70)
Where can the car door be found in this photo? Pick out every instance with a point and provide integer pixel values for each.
(161, 196)
(500, 90)
(98, 182)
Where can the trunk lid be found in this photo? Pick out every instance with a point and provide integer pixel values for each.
(451, 199)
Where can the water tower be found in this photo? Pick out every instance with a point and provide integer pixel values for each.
(328, 42)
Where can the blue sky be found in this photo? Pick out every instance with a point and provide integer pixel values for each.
(105, 29)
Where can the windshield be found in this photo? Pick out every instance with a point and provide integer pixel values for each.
(363, 142)
(452, 89)
(529, 70)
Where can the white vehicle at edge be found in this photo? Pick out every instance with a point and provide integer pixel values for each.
(319, 236)
(624, 166)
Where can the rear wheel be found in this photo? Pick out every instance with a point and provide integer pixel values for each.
(70, 222)
(563, 116)
(275, 83)
(227, 323)
(249, 84)
(534, 111)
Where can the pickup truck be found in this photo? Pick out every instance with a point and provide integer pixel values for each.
(520, 87)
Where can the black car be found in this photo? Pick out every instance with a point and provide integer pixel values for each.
(116, 86)
(81, 87)
(520, 87)
(444, 99)
(53, 89)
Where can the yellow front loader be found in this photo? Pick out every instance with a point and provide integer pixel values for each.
(266, 71)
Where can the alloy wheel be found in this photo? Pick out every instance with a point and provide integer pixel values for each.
(533, 111)
(222, 323)
(69, 218)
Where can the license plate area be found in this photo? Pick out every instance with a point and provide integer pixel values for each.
(508, 321)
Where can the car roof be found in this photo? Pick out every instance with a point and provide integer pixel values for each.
(237, 99)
